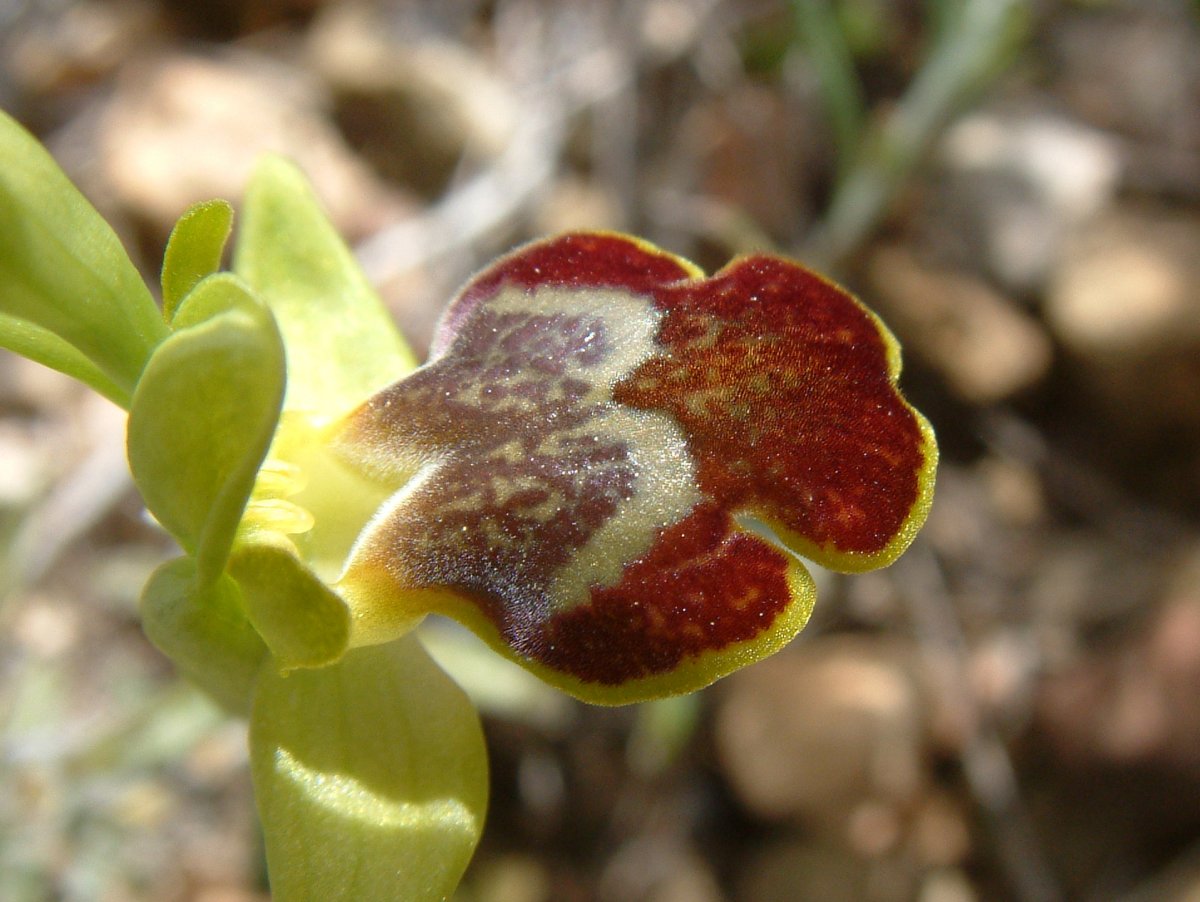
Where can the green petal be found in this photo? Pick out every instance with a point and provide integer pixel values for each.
(63, 270)
(370, 777)
(304, 623)
(342, 345)
(194, 250)
(204, 632)
(203, 416)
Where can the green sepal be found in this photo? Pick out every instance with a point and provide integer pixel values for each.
(370, 777)
(194, 250)
(48, 349)
(342, 344)
(64, 271)
(204, 632)
(303, 622)
(203, 417)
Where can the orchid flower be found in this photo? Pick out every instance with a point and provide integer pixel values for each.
(608, 469)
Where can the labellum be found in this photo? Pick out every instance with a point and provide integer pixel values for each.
(610, 462)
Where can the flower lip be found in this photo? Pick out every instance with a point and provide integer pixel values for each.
(594, 418)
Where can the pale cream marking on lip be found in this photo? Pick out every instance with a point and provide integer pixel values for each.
(664, 493)
(664, 473)
(665, 477)
(631, 323)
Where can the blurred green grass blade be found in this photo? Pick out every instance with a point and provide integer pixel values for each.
(63, 269)
(940, 18)
(841, 91)
(48, 349)
(303, 622)
(194, 250)
(342, 345)
(204, 415)
(370, 776)
(978, 41)
(204, 632)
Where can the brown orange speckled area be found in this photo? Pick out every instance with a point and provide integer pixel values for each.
(781, 384)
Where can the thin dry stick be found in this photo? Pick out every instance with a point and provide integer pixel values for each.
(547, 88)
(987, 766)
(74, 505)
(559, 67)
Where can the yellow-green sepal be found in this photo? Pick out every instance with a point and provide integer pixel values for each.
(370, 777)
(44, 347)
(202, 629)
(342, 344)
(64, 273)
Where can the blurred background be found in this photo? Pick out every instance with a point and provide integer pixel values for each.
(1012, 711)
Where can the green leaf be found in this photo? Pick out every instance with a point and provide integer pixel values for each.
(63, 270)
(370, 776)
(204, 632)
(303, 622)
(194, 250)
(48, 349)
(203, 417)
(342, 345)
